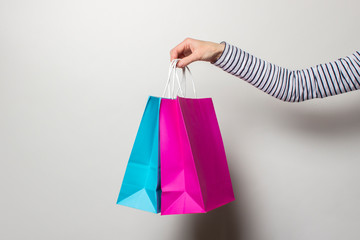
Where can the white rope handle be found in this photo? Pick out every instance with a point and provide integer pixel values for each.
(172, 75)
(168, 80)
(192, 79)
(171, 79)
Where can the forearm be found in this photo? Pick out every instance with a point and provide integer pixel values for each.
(323, 80)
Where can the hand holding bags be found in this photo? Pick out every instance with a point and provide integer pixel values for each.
(194, 172)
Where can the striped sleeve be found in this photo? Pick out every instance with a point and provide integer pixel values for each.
(323, 80)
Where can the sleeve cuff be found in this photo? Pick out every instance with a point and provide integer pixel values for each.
(223, 55)
(231, 59)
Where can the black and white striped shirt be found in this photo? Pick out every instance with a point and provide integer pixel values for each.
(323, 80)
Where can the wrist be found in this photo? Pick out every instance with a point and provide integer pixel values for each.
(218, 51)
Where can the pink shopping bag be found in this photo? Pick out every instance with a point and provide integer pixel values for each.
(194, 172)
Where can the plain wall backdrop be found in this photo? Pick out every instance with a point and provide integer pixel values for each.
(74, 80)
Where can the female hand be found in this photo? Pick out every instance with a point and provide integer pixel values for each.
(191, 50)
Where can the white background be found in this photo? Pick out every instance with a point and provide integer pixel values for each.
(74, 80)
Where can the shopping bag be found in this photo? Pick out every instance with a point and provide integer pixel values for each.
(141, 183)
(194, 171)
(140, 187)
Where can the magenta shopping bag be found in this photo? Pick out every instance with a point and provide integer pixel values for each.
(194, 172)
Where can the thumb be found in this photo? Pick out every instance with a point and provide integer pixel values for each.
(187, 60)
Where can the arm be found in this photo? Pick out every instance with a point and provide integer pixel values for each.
(323, 80)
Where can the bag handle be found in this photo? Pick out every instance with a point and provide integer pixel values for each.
(172, 76)
(183, 80)
(171, 79)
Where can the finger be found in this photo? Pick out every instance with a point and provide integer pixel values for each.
(187, 60)
(179, 50)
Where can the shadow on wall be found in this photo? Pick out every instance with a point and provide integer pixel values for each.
(324, 118)
(224, 223)
(338, 122)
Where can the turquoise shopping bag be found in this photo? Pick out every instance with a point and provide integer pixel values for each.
(141, 183)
